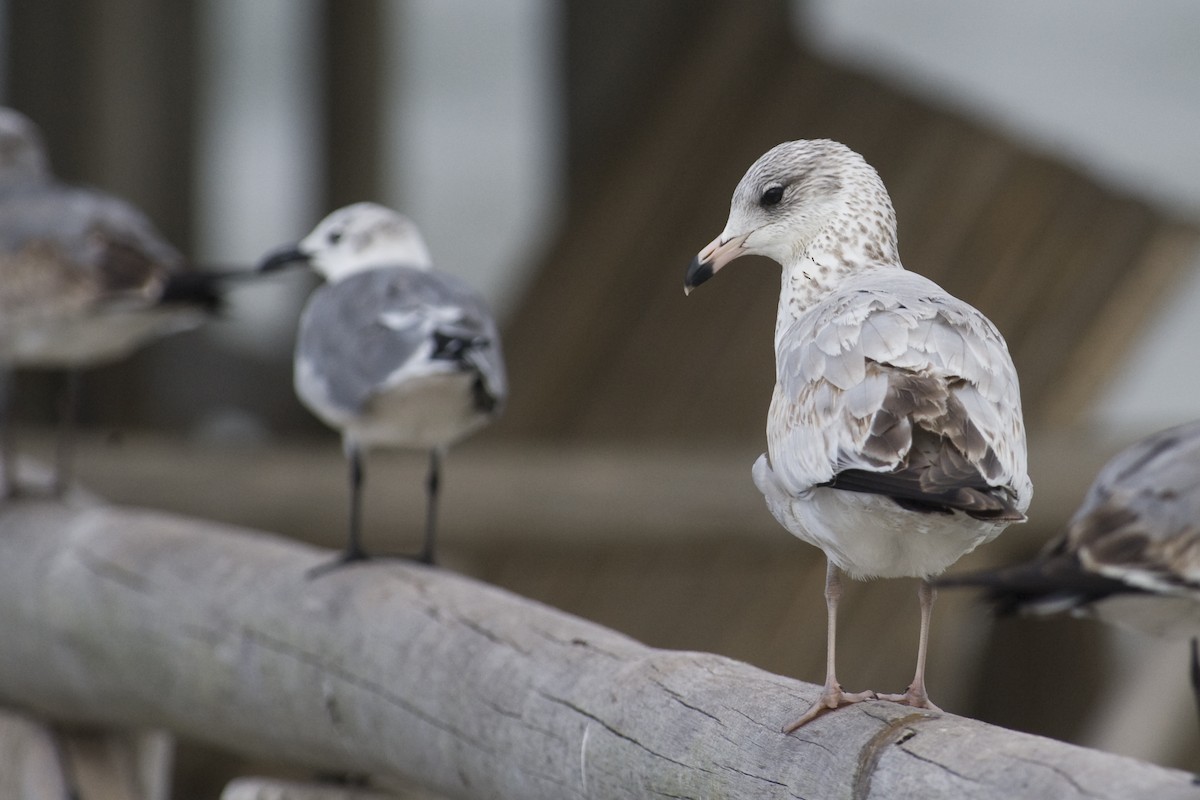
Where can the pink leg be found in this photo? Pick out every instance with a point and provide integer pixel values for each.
(832, 695)
(916, 695)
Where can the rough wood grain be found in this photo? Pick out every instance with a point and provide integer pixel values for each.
(127, 618)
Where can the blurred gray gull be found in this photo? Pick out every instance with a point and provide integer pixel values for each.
(1130, 554)
(895, 441)
(84, 277)
(390, 352)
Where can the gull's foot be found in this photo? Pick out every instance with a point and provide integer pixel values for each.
(418, 558)
(831, 697)
(917, 698)
(351, 558)
(346, 559)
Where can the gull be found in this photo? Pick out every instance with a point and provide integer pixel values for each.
(390, 352)
(85, 278)
(895, 441)
(1130, 554)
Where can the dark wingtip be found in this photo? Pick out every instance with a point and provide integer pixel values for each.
(203, 290)
(1041, 586)
(697, 273)
(204, 287)
(288, 256)
(1009, 591)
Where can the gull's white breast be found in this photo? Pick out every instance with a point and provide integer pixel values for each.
(70, 340)
(432, 410)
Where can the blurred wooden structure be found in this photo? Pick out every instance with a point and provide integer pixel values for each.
(1068, 269)
(667, 104)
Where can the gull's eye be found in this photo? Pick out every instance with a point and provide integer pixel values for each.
(335, 237)
(771, 195)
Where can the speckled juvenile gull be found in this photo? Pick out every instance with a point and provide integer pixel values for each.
(895, 441)
(390, 352)
(84, 276)
(1130, 554)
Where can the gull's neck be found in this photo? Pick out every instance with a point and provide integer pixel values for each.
(860, 237)
(24, 175)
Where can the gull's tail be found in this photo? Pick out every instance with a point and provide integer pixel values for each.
(471, 351)
(204, 290)
(1051, 584)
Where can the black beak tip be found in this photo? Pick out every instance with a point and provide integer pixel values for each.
(283, 257)
(697, 273)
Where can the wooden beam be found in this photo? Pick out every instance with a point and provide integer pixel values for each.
(506, 490)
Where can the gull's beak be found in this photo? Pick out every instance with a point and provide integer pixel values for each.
(284, 257)
(708, 261)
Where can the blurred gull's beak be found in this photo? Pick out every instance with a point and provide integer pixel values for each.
(708, 261)
(284, 257)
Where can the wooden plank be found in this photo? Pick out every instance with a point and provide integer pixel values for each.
(501, 492)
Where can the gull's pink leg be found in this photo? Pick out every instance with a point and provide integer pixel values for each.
(916, 695)
(832, 695)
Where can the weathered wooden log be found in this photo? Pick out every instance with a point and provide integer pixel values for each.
(270, 789)
(128, 618)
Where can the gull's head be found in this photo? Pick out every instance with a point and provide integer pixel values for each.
(22, 152)
(354, 238)
(795, 196)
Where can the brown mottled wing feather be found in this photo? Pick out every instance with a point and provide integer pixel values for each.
(1137, 532)
(893, 387)
(124, 267)
(1140, 521)
(67, 237)
(921, 415)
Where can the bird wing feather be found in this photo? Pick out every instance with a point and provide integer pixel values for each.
(892, 376)
(376, 329)
(81, 236)
(1140, 521)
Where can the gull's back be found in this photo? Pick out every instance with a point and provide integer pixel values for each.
(1140, 521)
(82, 273)
(896, 408)
(79, 238)
(402, 357)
